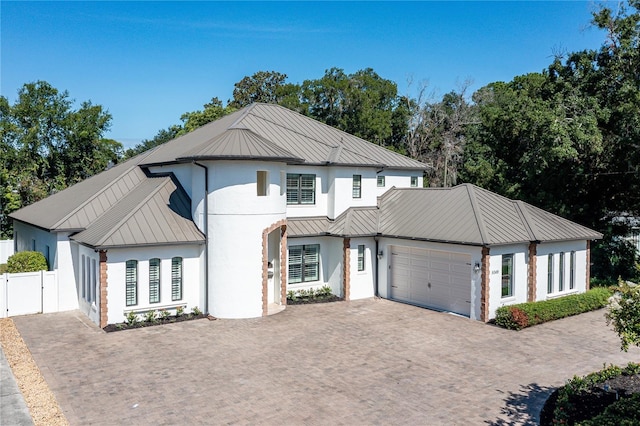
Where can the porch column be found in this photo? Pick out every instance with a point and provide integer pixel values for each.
(346, 269)
(588, 267)
(484, 285)
(104, 314)
(532, 276)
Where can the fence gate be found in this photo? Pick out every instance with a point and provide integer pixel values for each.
(22, 293)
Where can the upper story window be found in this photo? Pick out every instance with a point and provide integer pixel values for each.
(361, 257)
(414, 181)
(507, 275)
(262, 181)
(381, 181)
(154, 280)
(357, 186)
(131, 277)
(301, 189)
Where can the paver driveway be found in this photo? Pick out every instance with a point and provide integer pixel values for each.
(363, 362)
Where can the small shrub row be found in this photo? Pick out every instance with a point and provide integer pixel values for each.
(517, 317)
(153, 317)
(3, 268)
(26, 261)
(322, 294)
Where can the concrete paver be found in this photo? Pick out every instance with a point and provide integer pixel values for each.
(13, 409)
(364, 362)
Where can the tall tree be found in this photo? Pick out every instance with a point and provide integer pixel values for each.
(264, 86)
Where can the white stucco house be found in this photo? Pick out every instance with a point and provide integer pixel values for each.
(231, 216)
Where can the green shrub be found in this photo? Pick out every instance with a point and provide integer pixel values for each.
(517, 317)
(26, 261)
(624, 412)
(624, 314)
(3, 268)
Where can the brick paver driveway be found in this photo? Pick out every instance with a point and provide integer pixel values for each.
(363, 362)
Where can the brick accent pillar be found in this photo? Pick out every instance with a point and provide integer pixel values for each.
(346, 268)
(484, 285)
(281, 224)
(532, 276)
(104, 313)
(588, 266)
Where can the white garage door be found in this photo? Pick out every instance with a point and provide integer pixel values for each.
(431, 278)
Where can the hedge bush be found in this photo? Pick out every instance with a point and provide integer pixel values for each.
(3, 268)
(517, 317)
(26, 261)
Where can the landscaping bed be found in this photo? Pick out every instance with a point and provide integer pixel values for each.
(306, 296)
(153, 318)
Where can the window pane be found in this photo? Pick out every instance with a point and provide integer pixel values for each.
(154, 280)
(361, 257)
(176, 278)
(357, 183)
(507, 275)
(561, 276)
(550, 274)
(572, 270)
(262, 178)
(131, 282)
(414, 181)
(381, 181)
(304, 263)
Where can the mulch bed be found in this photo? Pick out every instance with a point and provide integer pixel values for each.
(169, 320)
(307, 301)
(594, 401)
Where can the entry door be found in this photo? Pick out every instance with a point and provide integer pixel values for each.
(431, 278)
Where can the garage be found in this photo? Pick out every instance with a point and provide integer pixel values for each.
(431, 278)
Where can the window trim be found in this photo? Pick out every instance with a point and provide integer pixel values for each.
(304, 265)
(550, 273)
(176, 279)
(572, 270)
(155, 282)
(380, 181)
(131, 283)
(561, 274)
(414, 181)
(361, 257)
(300, 189)
(511, 274)
(356, 188)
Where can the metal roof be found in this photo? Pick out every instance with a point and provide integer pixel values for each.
(464, 214)
(307, 226)
(274, 132)
(156, 212)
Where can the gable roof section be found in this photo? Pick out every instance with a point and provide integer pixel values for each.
(464, 214)
(156, 212)
(272, 132)
(75, 207)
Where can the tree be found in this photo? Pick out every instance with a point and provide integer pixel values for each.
(264, 86)
(213, 110)
(624, 314)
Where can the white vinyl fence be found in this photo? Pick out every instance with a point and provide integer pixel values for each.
(28, 293)
(6, 250)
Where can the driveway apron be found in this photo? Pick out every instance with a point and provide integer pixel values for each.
(365, 362)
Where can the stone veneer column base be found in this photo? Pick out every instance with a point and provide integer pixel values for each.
(104, 313)
(346, 268)
(531, 277)
(484, 285)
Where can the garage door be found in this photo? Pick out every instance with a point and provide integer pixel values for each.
(431, 278)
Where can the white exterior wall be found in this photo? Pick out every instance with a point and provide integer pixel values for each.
(384, 273)
(66, 259)
(182, 171)
(361, 283)
(330, 263)
(342, 185)
(30, 238)
(520, 272)
(192, 284)
(324, 198)
(88, 282)
(237, 218)
(542, 262)
(398, 179)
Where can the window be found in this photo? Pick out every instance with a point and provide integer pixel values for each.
(381, 181)
(414, 181)
(550, 273)
(572, 270)
(561, 275)
(154, 280)
(33, 245)
(361, 257)
(87, 273)
(83, 278)
(176, 278)
(131, 290)
(262, 180)
(507, 275)
(301, 189)
(304, 263)
(94, 279)
(357, 186)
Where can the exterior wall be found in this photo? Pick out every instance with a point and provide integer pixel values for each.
(192, 294)
(342, 189)
(66, 263)
(361, 283)
(384, 273)
(520, 273)
(397, 178)
(581, 268)
(88, 279)
(331, 254)
(237, 219)
(30, 238)
(182, 172)
(324, 192)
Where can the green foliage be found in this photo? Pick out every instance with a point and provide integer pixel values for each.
(195, 311)
(179, 311)
(26, 261)
(3, 268)
(132, 319)
(614, 257)
(624, 314)
(311, 294)
(517, 317)
(150, 316)
(164, 314)
(624, 412)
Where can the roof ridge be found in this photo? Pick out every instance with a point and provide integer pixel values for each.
(104, 188)
(477, 214)
(117, 225)
(528, 222)
(247, 110)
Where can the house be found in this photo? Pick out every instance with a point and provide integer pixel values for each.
(233, 215)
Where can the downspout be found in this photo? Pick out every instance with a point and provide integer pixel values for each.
(206, 236)
(375, 256)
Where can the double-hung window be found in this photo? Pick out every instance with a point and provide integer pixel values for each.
(361, 257)
(357, 186)
(154, 280)
(572, 271)
(507, 275)
(176, 278)
(131, 278)
(550, 273)
(561, 275)
(304, 263)
(301, 189)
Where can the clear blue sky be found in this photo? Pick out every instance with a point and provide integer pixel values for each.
(149, 62)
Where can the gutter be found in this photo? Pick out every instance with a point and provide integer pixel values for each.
(206, 235)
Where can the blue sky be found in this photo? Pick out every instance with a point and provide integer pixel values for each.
(149, 62)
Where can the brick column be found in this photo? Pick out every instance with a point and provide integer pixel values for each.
(104, 314)
(484, 285)
(588, 266)
(346, 268)
(532, 276)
